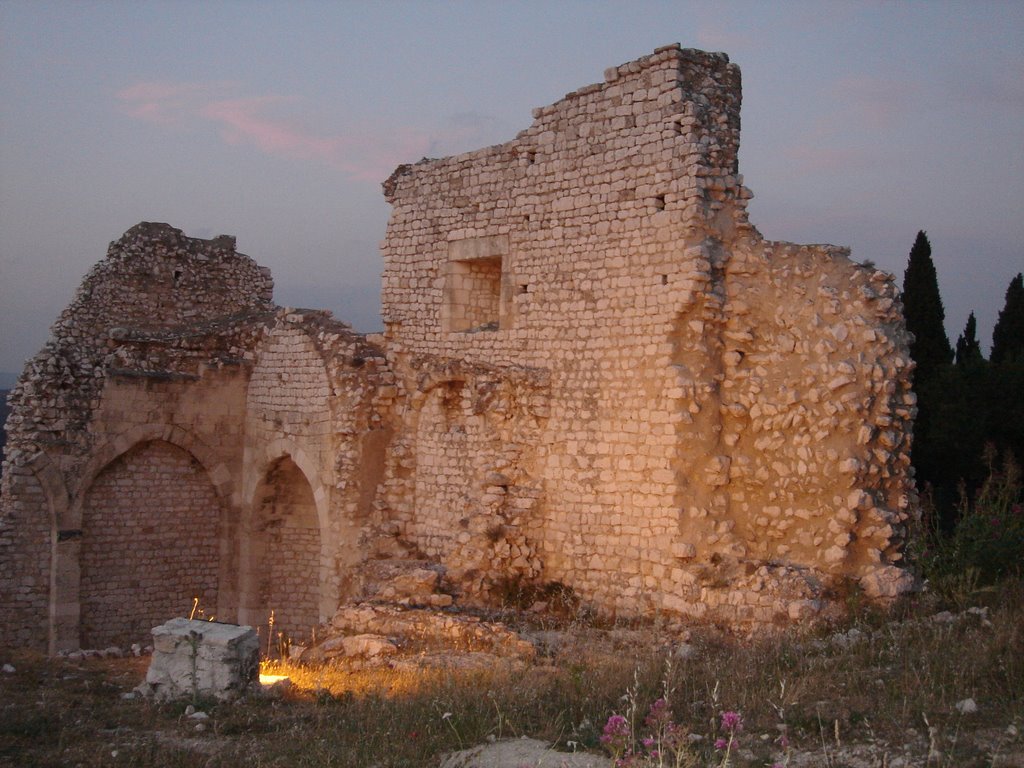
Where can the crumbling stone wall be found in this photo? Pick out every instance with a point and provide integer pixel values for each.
(139, 423)
(722, 410)
(465, 488)
(595, 373)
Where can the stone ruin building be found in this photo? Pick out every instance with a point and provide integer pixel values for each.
(596, 376)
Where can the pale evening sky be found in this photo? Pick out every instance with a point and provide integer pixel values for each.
(863, 122)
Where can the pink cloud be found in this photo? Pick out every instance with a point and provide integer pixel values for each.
(242, 120)
(257, 121)
(165, 103)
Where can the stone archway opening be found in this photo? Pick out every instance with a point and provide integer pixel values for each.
(286, 553)
(150, 544)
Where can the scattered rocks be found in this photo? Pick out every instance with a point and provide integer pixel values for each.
(516, 753)
(110, 652)
(966, 707)
(685, 651)
(849, 638)
(887, 582)
(406, 582)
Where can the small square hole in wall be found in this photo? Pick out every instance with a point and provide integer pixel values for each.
(664, 279)
(659, 202)
(524, 288)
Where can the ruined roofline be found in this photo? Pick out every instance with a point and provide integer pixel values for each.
(160, 232)
(711, 61)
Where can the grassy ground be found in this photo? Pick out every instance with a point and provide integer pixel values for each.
(893, 685)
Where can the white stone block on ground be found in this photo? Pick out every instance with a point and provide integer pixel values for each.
(201, 658)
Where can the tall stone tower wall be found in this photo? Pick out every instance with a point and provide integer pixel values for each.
(694, 412)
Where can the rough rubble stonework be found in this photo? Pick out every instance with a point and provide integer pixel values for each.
(596, 377)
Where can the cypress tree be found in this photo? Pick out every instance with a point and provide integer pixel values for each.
(1006, 392)
(1008, 335)
(930, 350)
(922, 308)
(968, 350)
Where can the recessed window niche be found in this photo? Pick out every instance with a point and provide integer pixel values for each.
(476, 290)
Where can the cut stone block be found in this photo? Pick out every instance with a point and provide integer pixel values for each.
(201, 658)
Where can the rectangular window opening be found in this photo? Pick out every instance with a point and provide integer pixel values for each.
(477, 298)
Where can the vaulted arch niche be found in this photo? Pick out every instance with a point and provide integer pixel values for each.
(150, 544)
(285, 552)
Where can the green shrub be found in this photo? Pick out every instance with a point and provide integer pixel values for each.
(987, 543)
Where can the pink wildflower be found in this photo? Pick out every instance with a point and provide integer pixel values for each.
(615, 727)
(658, 714)
(721, 743)
(732, 722)
(615, 733)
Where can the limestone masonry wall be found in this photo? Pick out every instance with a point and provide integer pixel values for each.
(595, 374)
(150, 541)
(717, 404)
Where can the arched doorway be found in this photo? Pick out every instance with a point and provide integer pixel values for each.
(150, 544)
(286, 551)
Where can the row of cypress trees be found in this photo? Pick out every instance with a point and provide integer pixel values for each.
(969, 408)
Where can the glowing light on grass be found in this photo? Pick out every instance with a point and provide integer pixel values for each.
(271, 679)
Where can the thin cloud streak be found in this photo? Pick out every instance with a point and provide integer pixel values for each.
(243, 120)
(365, 156)
(166, 103)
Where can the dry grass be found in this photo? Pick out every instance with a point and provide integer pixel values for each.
(902, 677)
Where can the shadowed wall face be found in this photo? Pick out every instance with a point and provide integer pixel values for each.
(288, 551)
(150, 544)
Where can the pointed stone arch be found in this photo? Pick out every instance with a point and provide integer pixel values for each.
(284, 543)
(108, 451)
(73, 517)
(150, 544)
